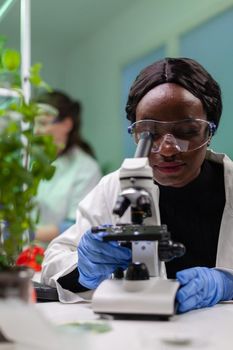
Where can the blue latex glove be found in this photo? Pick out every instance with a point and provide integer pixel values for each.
(97, 260)
(202, 287)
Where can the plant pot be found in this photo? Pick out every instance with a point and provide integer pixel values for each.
(15, 283)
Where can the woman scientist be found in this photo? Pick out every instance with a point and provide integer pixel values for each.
(77, 172)
(180, 103)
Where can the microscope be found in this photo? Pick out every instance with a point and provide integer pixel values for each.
(142, 291)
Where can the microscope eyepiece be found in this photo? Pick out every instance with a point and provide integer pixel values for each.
(144, 144)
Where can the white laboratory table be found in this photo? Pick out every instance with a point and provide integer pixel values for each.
(40, 325)
(209, 328)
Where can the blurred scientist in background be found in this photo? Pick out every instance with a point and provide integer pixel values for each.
(77, 170)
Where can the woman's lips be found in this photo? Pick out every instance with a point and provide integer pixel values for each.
(169, 167)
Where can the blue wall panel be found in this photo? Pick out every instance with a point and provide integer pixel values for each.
(129, 74)
(212, 45)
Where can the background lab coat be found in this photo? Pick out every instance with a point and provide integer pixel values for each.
(77, 173)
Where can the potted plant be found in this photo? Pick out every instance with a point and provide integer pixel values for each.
(25, 159)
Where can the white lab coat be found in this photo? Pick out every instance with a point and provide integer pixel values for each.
(96, 209)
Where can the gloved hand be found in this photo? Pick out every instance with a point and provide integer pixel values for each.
(202, 287)
(97, 260)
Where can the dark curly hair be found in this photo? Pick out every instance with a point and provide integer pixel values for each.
(182, 71)
(68, 108)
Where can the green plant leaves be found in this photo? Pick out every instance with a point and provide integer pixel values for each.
(25, 159)
(10, 59)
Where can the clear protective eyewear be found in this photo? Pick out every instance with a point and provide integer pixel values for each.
(184, 135)
(46, 109)
(46, 115)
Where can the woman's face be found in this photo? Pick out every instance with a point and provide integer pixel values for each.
(59, 130)
(171, 102)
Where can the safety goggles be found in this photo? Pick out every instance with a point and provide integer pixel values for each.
(46, 109)
(184, 135)
(46, 115)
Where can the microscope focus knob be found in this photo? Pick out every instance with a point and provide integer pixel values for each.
(169, 250)
(137, 272)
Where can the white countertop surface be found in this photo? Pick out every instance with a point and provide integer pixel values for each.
(209, 328)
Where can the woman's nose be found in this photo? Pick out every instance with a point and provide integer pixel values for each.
(168, 146)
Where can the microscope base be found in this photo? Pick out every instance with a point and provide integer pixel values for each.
(153, 297)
